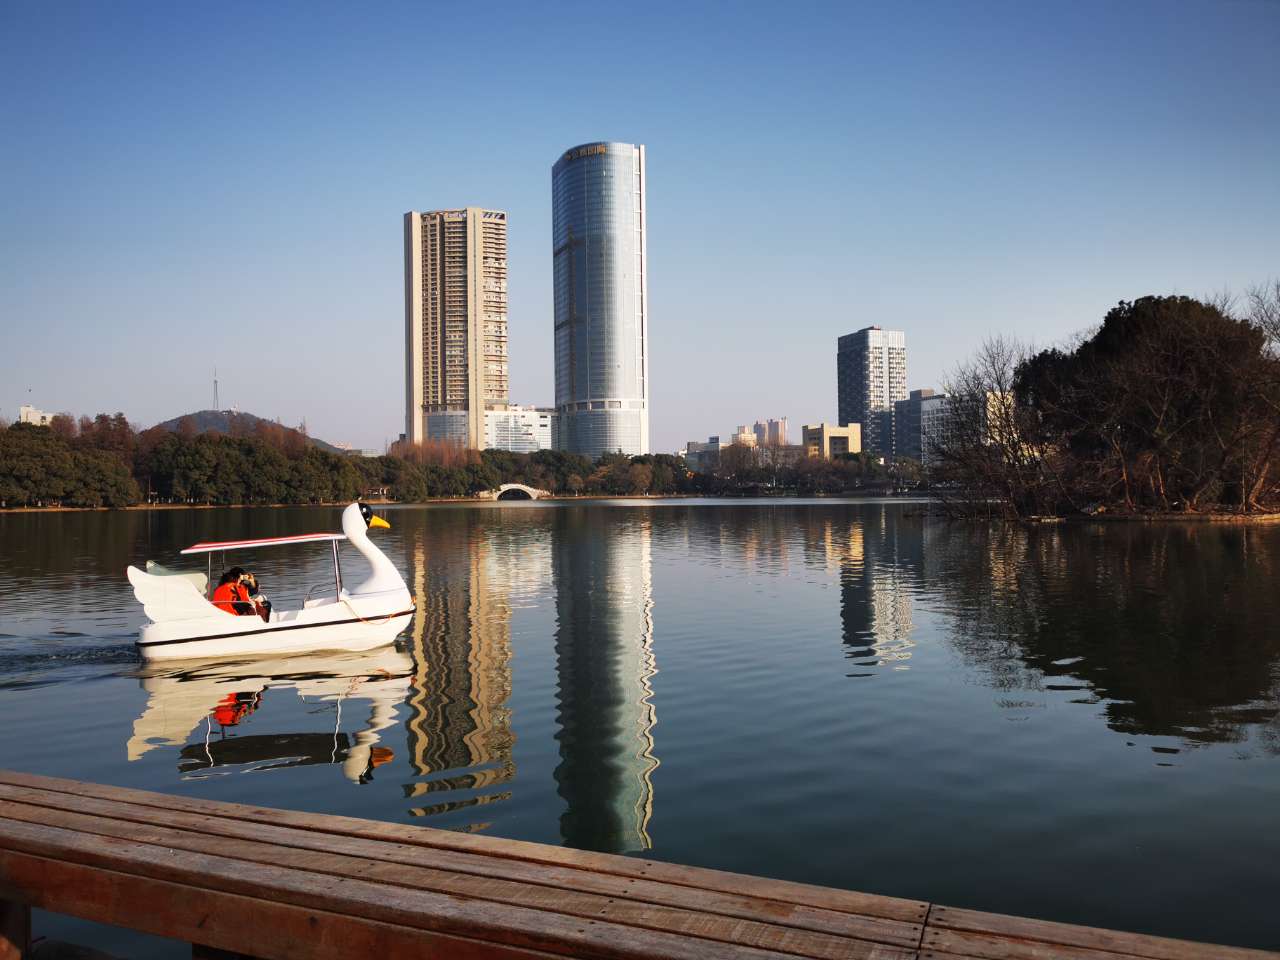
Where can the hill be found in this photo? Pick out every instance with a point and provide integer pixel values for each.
(236, 423)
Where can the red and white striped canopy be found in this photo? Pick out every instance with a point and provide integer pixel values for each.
(265, 542)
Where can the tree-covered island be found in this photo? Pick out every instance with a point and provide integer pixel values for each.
(1170, 406)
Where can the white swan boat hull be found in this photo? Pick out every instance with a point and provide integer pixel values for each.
(185, 624)
(352, 623)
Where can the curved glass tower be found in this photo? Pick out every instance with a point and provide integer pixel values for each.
(601, 321)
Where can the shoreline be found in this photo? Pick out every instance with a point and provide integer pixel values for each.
(1192, 518)
(1195, 519)
(1164, 518)
(384, 502)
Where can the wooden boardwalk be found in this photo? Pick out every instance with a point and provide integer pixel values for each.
(280, 884)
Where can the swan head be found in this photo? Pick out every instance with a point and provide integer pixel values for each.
(370, 521)
(357, 519)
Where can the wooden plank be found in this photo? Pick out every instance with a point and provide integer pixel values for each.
(683, 922)
(579, 881)
(478, 920)
(994, 946)
(225, 921)
(986, 946)
(15, 929)
(1108, 942)
(870, 905)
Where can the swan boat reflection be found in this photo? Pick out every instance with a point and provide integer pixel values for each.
(211, 699)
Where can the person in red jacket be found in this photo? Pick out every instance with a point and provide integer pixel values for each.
(232, 595)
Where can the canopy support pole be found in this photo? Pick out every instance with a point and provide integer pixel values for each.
(337, 572)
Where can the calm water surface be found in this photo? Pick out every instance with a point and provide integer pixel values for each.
(1070, 722)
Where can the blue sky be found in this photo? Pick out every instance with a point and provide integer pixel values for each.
(190, 185)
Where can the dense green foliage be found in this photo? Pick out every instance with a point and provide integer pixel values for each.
(105, 462)
(38, 467)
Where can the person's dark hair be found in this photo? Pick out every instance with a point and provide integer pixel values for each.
(232, 576)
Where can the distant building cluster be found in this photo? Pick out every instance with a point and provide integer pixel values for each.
(875, 414)
(456, 300)
(762, 436)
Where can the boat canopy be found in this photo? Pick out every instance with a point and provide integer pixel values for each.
(265, 542)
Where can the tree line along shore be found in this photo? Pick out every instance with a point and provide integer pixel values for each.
(1169, 407)
(106, 462)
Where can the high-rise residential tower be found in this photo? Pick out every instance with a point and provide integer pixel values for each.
(601, 299)
(455, 323)
(871, 374)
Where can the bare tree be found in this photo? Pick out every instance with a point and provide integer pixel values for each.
(983, 458)
(1263, 303)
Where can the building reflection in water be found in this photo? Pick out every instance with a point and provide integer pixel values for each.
(877, 563)
(465, 572)
(602, 570)
(212, 699)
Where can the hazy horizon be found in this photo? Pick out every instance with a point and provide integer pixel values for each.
(191, 187)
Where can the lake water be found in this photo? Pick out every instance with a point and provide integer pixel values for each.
(1072, 722)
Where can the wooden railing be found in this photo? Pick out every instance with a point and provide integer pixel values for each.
(281, 884)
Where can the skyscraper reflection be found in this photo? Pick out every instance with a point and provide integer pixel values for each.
(604, 663)
(876, 561)
(459, 728)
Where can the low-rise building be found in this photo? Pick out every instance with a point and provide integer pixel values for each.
(744, 437)
(703, 457)
(935, 425)
(985, 419)
(519, 429)
(29, 414)
(826, 440)
(906, 424)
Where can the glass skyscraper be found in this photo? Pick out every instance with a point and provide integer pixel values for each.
(601, 300)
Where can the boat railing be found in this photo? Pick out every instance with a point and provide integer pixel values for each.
(319, 586)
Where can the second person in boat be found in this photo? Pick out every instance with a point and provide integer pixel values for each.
(237, 593)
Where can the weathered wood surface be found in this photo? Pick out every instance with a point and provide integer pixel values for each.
(951, 932)
(280, 884)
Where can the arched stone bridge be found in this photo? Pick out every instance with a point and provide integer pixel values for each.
(514, 491)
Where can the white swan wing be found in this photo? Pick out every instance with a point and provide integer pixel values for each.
(170, 598)
(199, 579)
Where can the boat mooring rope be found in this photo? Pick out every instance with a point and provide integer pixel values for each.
(376, 621)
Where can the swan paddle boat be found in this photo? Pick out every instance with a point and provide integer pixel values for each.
(184, 623)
